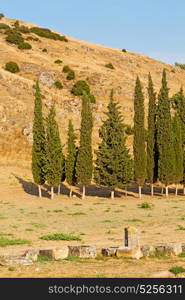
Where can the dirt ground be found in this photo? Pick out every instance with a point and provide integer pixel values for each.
(101, 223)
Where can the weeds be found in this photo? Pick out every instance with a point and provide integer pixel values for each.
(61, 236)
(176, 270)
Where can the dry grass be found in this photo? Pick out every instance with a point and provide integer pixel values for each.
(24, 215)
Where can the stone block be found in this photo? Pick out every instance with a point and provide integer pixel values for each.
(147, 250)
(110, 251)
(55, 253)
(18, 261)
(31, 254)
(132, 236)
(129, 252)
(84, 251)
(169, 249)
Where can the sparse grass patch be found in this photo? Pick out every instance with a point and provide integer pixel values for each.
(61, 236)
(57, 210)
(7, 242)
(77, 204)
(177, 269)
(109, 66)
(43, 258)
(73, 258)
(58, 85)
(11, 268)
(182, 218)
(182, 254)
(106, 221)
(78, 213)
(58, 61)
(135, 220)
(180, 227)
(146, 205)
(37, 225)
(29, 229)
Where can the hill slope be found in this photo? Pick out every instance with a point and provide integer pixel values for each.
(88, 61)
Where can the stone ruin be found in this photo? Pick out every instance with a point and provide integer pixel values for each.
(131, 248)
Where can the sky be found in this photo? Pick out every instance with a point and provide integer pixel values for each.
(154, 28)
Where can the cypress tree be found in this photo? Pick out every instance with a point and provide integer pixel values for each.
(178, 149)
(151, 138)
(139, 137)
(38, 147)
(114, 166)
(164, 137)
(84, 165)
(71, 157)
(53, 151)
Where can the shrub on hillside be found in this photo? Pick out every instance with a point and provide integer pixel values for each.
(92, 98)
(124, 50)
(14, 37)
(24, 29)
(47, 33)
(12, 67)
(24, 46)
(66, 69)
(44, 50)
(58, 61)
(70, 75)
(79, 87)
(58, 85)
(182, 66)
(1, 16)
(30, 38)
(109, 66)
(4, 26)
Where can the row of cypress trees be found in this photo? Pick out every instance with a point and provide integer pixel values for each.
(157, 155)
(162, 158)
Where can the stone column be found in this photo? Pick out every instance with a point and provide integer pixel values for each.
(131, 238)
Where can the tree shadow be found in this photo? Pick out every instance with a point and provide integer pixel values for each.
(31, 188)
(64, 190)
(103, 192)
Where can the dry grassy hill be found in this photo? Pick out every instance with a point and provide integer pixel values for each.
(88, 61)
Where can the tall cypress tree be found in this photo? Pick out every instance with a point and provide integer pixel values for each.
(84, 165)
(139, 137)
(151, 138)
(114, 166)
(53, 151)
(178, 149)
(38, 147)
(165, 137)
(178, 102)
(71, 157)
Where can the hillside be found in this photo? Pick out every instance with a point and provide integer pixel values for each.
(88, 61)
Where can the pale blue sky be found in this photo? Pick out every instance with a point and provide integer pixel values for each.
(155, 28)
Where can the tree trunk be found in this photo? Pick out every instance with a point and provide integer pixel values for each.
(40, 192)
(162, 189)
(126, 191)
(112, 194)
(70, 192)
(166, 191)
(83, 192)
(140, 192)
(152, 190)
(52, 194)
(176, 191)
(59, 189)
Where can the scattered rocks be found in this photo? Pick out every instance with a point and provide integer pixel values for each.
(47, 78)
(129, 252)
(31, 254)
(111, 251)
(147, 250)
(83, 251)
(18, 261)
(55, 253)
(169, 249)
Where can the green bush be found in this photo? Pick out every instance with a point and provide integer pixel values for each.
(4, 26)
(176, 270)
(24, 46)
(12, 67)
(1, 16)
(58, 85)
(182, 66)
(14, 37)
(145, 205)
(7, 242)
(109, 66)
(79, 87)
(47, 33)
(66, 69)
(44, 50)
(30, 38)
(58, 61)
(92, 98)
(61, 236)
(23, 29)
(124, 50)
(70, 75)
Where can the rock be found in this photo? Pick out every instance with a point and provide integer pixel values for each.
(147, 250)
(129, 253)
(55, 253)
(132, 236)
(46, 78)
(169, 249)
(162, 274)
(31, 254)
(111, 251)
(183, 247)
(83, 251)
(18, 261)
